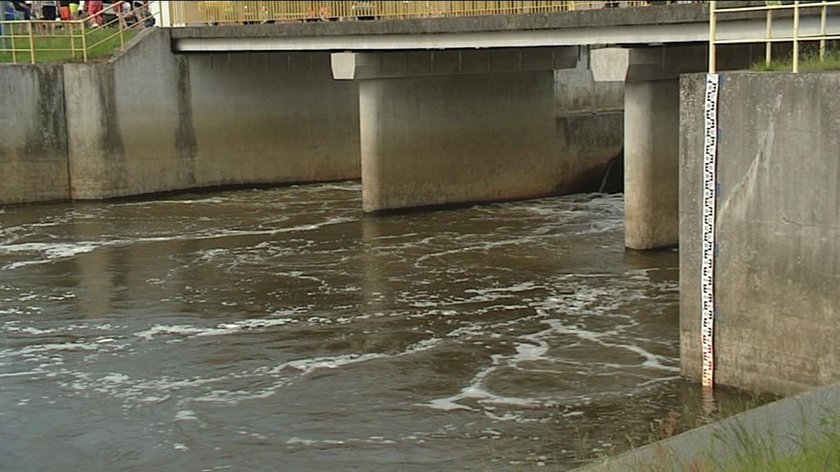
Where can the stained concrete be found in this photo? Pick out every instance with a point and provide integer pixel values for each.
(482, 133)
(151, 121)
(33, 134)
(778, 264)
(124, 137)
(651, 121)
(272, 118)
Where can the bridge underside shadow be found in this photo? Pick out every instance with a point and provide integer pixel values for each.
(462, 126)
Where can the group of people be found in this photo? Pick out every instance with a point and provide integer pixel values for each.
(95, 11)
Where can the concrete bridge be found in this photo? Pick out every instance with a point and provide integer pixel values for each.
(456, 110)
(428, 112)
(448, 111)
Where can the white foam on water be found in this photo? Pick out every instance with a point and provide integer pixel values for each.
(653, 361)
(30, 330)
(422, 345)
(521, 287)
(307, 366)
(52, 252)
(534, 347)
(186, 415)
(301, 441)
(218, 330)
(68, 346)
(21, 374)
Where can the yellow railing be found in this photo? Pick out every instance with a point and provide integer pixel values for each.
(72, 40)
(220, 12)
(796, 36)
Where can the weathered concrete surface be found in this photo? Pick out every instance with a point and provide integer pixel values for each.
(651, 138)
(126, 135)
(651, 143)
(782, 428)
(778, 266)
(577, 90)
(442, 140)
(150, 121)
(33, 134)
(272, 118)
(651, 146)
(649, 16)
(429, 141)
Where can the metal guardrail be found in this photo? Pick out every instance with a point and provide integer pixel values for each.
(72, 40)
(716, 9)
(221, 12)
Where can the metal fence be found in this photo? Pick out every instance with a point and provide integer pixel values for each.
(100, 33)
(220, 12)
(97, 34)
(717, 9)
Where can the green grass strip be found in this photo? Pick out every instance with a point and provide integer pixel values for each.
(58, 45)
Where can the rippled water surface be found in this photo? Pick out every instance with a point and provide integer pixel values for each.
(282, 329)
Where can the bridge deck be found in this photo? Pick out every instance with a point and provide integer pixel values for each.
(684, 23)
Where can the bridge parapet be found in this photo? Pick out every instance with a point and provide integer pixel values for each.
(247, 12)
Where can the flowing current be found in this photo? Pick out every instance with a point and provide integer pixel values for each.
(283, 329)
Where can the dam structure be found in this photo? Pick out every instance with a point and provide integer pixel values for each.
(426, 111)
(454, 110)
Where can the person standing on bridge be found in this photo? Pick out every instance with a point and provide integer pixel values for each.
(94, 12)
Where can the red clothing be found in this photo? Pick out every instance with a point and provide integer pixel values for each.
(93, 9)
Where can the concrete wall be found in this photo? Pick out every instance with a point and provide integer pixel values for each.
(272, 117)
(33, 134)
(150, 121)
(778, 268)
(126, 133)
(579, 91)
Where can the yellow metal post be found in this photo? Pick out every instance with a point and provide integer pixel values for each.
(72, 40)
(822, 31)
(796, 36)
(712, 31)
(768, 46)
(84, 42)
(121, 22)
(31, 43)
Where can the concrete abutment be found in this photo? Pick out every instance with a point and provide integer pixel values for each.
(33, 134)
(778, 264)
(152, 121)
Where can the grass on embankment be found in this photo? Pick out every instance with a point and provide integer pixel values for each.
(740, 449)
(819, 453)
(809, 62)
(58, 46)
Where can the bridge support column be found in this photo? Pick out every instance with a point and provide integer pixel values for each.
(651, 143)
(450, 127)
(651, 151)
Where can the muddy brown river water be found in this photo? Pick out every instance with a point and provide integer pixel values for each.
(283, 329)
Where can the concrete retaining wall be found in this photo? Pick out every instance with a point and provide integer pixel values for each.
(778, 266)
(150, 121)
(126, 135)
(33, 134)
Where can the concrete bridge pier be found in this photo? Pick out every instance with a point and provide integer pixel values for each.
(651, 143)
(459, 126)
